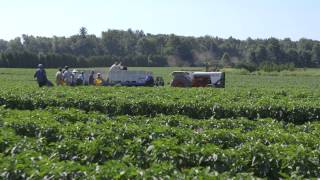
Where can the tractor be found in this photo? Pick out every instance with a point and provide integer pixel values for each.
(198, 79)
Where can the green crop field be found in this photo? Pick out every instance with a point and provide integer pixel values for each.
(262, 125)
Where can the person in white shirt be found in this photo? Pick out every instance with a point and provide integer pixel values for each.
(67, 76)
(74, 76)
(113, 67)
(59, 77)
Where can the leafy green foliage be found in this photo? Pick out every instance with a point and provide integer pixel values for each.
(244, 131)
(135, 144)
(289, 106)
(136, 48)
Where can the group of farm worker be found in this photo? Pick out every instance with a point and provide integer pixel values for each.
(73, 78)
(67, 77)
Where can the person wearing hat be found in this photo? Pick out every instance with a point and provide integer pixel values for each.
(67, 76)
(99, 80)
(74, 77)
(41, 76)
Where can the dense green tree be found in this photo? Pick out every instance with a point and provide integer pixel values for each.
(315, 58)
(147, 45)
(274, 51)
(305, 58)
(135, 48)
(293, 56)
(252, 57)
(37, 44)
(305, 44)
(15, 45)
(113, 42)
(184, 50)
(261, 53)
(3, 45)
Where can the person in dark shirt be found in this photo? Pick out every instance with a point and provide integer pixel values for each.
(91, 78)
(41, 76)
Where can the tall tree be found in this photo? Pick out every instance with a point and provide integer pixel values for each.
(315, 59)
(274, 51)
(137, 48)
(3, 45)
(112, 40)
(15, 45)
(261, 53)
(83, 32)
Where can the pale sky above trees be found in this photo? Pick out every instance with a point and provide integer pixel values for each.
(237, 18)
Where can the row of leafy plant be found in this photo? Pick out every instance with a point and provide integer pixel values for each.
(70, 143)
(290, 106)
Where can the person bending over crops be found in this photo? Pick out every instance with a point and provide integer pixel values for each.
(41, 76)
(80, 79)
(99, 80)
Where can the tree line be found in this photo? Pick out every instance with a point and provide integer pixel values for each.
(136, 48)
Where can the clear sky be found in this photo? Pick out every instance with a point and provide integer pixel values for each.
(223, 18)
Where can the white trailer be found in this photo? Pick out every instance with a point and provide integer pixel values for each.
(130, 78)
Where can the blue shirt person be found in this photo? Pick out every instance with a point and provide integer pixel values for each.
(41, 76)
